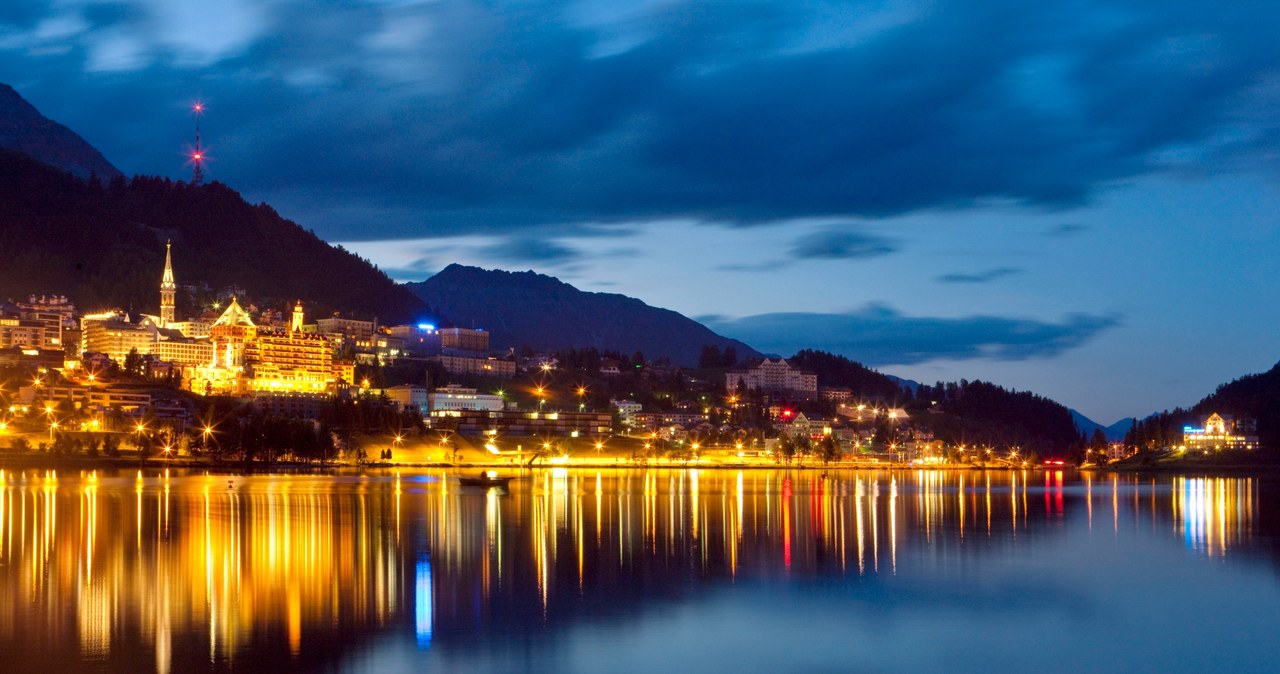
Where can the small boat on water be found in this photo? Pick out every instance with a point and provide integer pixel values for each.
(483, 480)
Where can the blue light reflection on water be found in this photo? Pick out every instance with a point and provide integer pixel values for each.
(422, 602)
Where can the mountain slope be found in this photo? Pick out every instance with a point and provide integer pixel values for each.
(542, 312)
(23, 129)
(1254, 395)
(865, 383)
(978, 413)
(103, 245)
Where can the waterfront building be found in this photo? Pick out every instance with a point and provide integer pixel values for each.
(294, 405)
(410, 396)
(1218, 432)
(507, 423)
(446, 400)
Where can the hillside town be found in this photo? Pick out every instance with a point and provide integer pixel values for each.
(171, 385)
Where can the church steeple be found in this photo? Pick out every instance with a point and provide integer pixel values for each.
(167, 288)
(296, 324)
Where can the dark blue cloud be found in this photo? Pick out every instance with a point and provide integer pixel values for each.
(838, 244)
(879, 335)
(1067, 229)
(764, 266)
(369, 119)
(524, 250)
(979, 277)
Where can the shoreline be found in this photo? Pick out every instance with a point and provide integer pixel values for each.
(38, 461)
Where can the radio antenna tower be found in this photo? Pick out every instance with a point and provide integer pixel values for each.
(197, 156)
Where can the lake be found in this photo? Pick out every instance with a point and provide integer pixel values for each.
(639, 570)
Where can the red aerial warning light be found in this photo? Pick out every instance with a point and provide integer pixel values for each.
(197, 156)
(198, 107)
(787, 413)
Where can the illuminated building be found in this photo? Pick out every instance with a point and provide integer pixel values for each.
(1219, 432)
(246, 359)
(344, 372)
(627, 409)
(776, 376)
(421, 339)
(15, 331)
(113, 333)
(290, 361)
(38, 323)
(167, 288)
(230, 333)
(183, 351)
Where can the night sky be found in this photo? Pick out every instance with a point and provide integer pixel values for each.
(1076, 198)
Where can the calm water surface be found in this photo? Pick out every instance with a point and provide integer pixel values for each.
(587, 571)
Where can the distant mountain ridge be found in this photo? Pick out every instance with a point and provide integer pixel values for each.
(545, 313)
(23, 129)
(1115, 432)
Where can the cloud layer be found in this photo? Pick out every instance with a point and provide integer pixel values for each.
(879, 335)
(986, 276)
(376, 119)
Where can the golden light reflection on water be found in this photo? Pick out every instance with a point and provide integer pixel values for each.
(1214, 514)
(107, 565)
